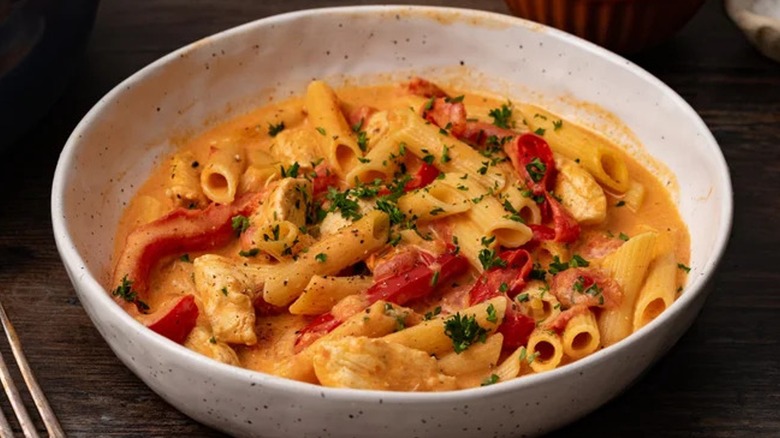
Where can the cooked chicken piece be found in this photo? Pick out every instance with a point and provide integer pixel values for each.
(227, 296)
(204, 342)
(286, 202)
(579, 192)
(366, 363)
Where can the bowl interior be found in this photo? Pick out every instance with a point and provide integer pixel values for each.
(116, 145)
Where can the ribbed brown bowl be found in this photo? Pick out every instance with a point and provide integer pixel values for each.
(624, 26)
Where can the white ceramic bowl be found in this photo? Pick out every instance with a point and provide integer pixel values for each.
(122, 137)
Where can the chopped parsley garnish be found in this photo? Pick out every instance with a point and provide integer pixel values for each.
(321, 130)
(125, 290)
(464, 331)
(392, 210)
(274, 234)
(430, 315)
(213, 340)
(620, 203)
(364, 160)
(435, 279)
(557, 124)
(532, 358)
(362, 141)
(490, 380)
(687, 269)
(491, 312)
(429, 158)
(624, 237)
(529, 194)
(429, 104)
(557, 266)
(503, 287)
(321, 257)
(489, 259)
(249, 253)
(578, 262)
(275, 129)
(240, 223)
(540, 132)
(536, 169)
(456, 99)
(501, 116)
(445, 155)
(486, 241)
(224, 291)
(483, 170)
(523, 352)
(523, 297)
(537, 273)
(185, 258)
(436, 211)
(349, 208)
(292, 171)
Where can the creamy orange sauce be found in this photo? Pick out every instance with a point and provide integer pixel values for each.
(173, 277)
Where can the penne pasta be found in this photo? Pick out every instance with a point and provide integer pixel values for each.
(339, 147)
(545, 350)
(323, 292)
(581, 336)
(628, 266)
(659, 290)
(222, 172)
(327, 257)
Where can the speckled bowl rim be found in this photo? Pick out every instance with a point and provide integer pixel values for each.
(92, 290)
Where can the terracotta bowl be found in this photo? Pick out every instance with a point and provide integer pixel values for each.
(113, 149)
(623, 26)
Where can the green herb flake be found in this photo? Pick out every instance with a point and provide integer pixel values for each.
(489, 260)
(224, 291)
(522, 298)
(273, 130)
(430, 315)
(491, 312)
(445, 155)
(321, 130)
(435, 279)
(321, 257)
(540, 132)
(240, 223)
(620, 203)
(464, 331)
(501, 116)
(249, 253)
(536, 169)
(490, 380)
(687, 269)
(557, 124)
(624, 237)
(185, 258)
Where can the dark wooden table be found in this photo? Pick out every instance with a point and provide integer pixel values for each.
(721, 379)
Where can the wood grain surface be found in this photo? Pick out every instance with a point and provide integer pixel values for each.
(721, 380)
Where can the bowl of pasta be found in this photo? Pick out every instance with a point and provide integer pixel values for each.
(419, 215)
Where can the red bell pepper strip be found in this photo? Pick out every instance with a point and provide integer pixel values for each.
(565, 227)
(515, 327)
(424, 176)
(176, 321)
(417, 282)
(446, 115)
(533, 159)
(179, 231)
(399, 289)
(421, 87)
(324, 177)
(513, 276)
